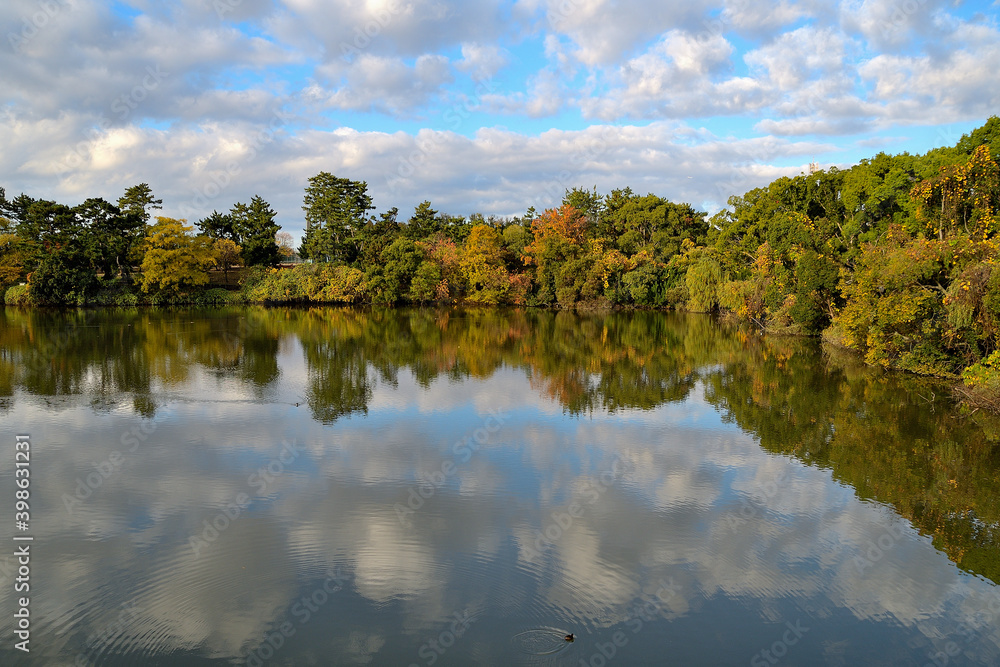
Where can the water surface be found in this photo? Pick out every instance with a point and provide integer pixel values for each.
(417, 487)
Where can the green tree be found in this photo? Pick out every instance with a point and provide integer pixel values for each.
(425, 282)
(219, 226)
(379, 235)
(116, 235)
(816, 292)
(703, 280)
(390, 279)
(589, 203)
(138, 200)
(59, 253)
(336, 213)
(175, 259)
(65, 276)
(423, 223)
(255, 231)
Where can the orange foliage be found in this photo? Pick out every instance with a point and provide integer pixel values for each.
(565, 223)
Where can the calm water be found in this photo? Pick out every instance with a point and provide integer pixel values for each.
(443, 487)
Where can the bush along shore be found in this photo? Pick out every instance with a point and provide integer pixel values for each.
(894, 258)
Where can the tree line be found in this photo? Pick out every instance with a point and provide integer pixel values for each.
(894, 257)
(81, 255)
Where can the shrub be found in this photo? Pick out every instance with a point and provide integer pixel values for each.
(127, 300)
(18, 295)
(319, 283)
(218, 296)
(984, 374)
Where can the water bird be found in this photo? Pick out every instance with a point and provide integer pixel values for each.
(569, 637)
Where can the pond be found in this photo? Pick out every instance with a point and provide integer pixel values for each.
(455, 487)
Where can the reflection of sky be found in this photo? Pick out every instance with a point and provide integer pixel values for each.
(753, 540)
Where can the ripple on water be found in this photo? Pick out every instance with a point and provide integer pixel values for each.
(541, 641)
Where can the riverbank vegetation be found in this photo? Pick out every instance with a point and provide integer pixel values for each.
(895, 258)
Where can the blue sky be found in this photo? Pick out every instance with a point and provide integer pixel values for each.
(480, 106)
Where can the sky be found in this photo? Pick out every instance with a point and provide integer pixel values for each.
(479, 106)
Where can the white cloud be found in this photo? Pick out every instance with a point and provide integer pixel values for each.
(796, 57)
(679, 76)
(196, 169)
(547, 95)
(402, 28)
(482, 61)
(892, 24)
(956, 86)
(387, 85)
(748, 16)
(605, 30)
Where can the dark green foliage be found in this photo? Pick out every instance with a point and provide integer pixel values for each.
(378, 235)
(115, 235)
(423, 223)
(255, 231)
(336, 213)
(65, 276)
(219, 226)
(138, 200)
(389, 281)
(816, 291)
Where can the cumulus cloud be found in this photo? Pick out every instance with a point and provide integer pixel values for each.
(605, 30)
(681, 75)
(482, 61)
(891, 24)
(797, 56)
(403, 28)
(387, 85)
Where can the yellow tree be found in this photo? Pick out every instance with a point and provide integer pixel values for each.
(175, 259)
(11, 261)
(963, 196)
(227, 253)
(482, 265)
